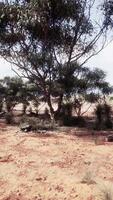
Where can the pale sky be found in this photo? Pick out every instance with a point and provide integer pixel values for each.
(103, 60)
(5, 69)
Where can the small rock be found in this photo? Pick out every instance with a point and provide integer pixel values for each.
(39, 179)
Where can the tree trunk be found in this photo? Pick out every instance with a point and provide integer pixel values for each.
(60, 103)
(1, 106)
(78, 111)
(24, 108)
(52, 112)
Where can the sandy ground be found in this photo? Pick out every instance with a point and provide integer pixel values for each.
(53, 167)
(43, 106)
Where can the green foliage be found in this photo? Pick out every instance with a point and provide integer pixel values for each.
(38, 36)
(46, 113)
(88, 86)
(103, 117)
(14, 90)
(108, 113)
(47, 15)
(108, 13)
(74, 121)
(67, 109)
(9, 118)
(11, 86)
(36, 123)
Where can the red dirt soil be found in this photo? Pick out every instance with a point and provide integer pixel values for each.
(52, 167)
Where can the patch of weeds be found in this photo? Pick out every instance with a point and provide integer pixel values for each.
(35, 124)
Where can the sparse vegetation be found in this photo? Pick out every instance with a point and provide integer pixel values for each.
(36, 123)
(50, 42)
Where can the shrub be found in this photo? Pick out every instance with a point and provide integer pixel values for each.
(1, 106)
(99, 113)
(108, 124)
(74, 121)
(108, 113)
(67, 109)
(46, 111)
(9, 118)
(103, 117)
(36, 123)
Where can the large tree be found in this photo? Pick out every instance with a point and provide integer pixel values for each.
(44, 37)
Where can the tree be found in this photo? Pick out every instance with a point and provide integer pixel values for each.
(108, 13)
(13, 90)
(11, 87)
(2, 94)
(88, 86)
(44, 37)
(103, 114)
(26, 94)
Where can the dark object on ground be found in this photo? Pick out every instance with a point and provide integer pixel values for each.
(26, 127)
(110, 138)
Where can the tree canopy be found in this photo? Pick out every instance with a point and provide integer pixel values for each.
(48, 40)
(108, 13)
(14, 91)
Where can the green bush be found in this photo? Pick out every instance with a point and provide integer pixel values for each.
(66, 111)
(9, 118)
(74, 121)
(36, 123)
(103, 114)
(108, 124)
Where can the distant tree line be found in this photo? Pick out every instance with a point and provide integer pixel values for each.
(79, 86)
